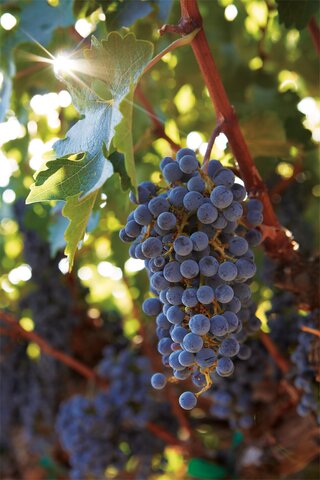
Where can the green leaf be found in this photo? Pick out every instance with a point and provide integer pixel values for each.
(200, 468)
(105, 101)
(297, 13)
(78, 212)
(123, 137)
(63, 178)
(117, 160)
(103, 94)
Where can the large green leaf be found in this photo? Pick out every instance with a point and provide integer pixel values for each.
(103, 93)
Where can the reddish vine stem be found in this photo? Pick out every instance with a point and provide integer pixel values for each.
(315, 33)
(212, 139)
(164, 435)
(48, 349)
(158, 126)
(313, 331)
(274, 353)
(280, 245)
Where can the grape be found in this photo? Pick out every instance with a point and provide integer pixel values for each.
(221, 197)
(200, 241)
(158, 281)
(227, 271)
(233, 212)
(158, 205)
(183, 245)
(245, 268)
(133, 229)
(184, 151)
(143, 195)
(192, 343)
(219, 325)
(224, 293)
(205, 294)
(199, 267)
(166, 220)
(152, 247)
(254, 217)
(229, 347)
(189, 269)
(238, 246)
(206, 357)
(186, 358)
(192, 201)
(174, 295)
(177, 195)
(188, 163)
(175, 315)
(207, 213)
(225, 367)
(142, 215)
(208, 266)
(232, 320)
(164, 346)
(224, 177)
(171, 272)
(187, 400)
(172, 172)
(165, 161)
(152, 306)
(196, 184)
(214, 167)
(158, 381)
(189, 297)
(174, 361)
(255, 204)
(178, 334)
(239, 192)
(199, 324)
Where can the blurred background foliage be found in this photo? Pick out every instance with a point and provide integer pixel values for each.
(270, 74)
(269, 68)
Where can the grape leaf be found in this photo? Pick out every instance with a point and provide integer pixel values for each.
(296, 14)
(78, 212)
(115, 65)
(103, 94)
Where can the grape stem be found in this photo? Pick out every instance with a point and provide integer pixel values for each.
(191, 18)
(313, 331)
(212, 139)
(280, 361)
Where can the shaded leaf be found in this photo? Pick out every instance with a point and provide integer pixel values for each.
(78, 212)
(296, 14)
(117, 160)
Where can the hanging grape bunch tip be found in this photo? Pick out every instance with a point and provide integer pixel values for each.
(195, 236)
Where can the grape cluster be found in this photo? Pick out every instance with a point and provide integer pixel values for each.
(105, 430)
(195, 236)
(34, 381)
(306, 367)
(285, 323)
